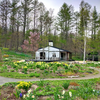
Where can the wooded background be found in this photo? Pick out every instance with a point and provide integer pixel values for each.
(67, 30)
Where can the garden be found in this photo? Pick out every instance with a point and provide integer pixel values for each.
(23, 69)
(52, 90)
(14, 65)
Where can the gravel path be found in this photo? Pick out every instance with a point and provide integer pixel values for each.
(5, 80)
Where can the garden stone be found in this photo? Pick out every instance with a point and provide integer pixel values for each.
(73, 76)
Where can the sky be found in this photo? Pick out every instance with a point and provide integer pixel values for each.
(56, 4)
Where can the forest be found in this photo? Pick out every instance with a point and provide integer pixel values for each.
(69, 29)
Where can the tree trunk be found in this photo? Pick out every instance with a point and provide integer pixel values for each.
(93, 57)
(25, 13)
(17, 38)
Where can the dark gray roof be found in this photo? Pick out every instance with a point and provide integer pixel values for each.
(59, 49)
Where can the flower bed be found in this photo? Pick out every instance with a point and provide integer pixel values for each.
(44, 70)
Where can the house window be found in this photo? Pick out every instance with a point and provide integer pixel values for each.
(42, 55)
(54, 55)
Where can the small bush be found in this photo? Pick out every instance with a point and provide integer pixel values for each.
(42, 68)
(66, 67)
(41, 83)
(12, 70)
(5, 49)
(32, 74)
(71, 66)
(45, 71)
(37, 74)
(65, 85)
(1, 70)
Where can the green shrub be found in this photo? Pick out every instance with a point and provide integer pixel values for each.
(12, 70)
(65, 85)
(66, 67)
(41, 83)
(75, 70)
(37, 74)
(50, 71)
(71, 66)
(42, 68)
(5, 49)
(45, 71)
(1, 70)
(32, 74)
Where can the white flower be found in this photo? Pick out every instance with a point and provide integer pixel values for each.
(24, 96)
(63, 92)
(58, 95)
(29, 91)
(93, 90)
(70, 94)
(21, 61)
(62, 96)
(27, 95)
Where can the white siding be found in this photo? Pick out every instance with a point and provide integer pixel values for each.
(49, 51)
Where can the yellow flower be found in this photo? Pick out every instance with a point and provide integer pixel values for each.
(62, 96)
(17, 61)
(16, 87)
(33, 96)
(25, 67)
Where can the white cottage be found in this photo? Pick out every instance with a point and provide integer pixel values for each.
(52, 53)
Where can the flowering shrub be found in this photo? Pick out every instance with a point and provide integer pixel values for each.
(38, 64)
(24, 85)
(24, 69)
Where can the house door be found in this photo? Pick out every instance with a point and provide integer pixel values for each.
(42, 55)
(62, 56)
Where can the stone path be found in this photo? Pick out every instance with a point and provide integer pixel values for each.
(5, 80)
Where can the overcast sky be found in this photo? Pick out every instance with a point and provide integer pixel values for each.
(56, 4)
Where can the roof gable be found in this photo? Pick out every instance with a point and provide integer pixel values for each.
(52, 48)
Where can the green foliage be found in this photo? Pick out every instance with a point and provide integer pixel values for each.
(31, 74)
(37, 74)
(65, 85)
(17, 93)
(5, 49)
(0, 56)
(54, 89)
(12, 70)
(24, 70)
(77, 58)
(41, 82)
